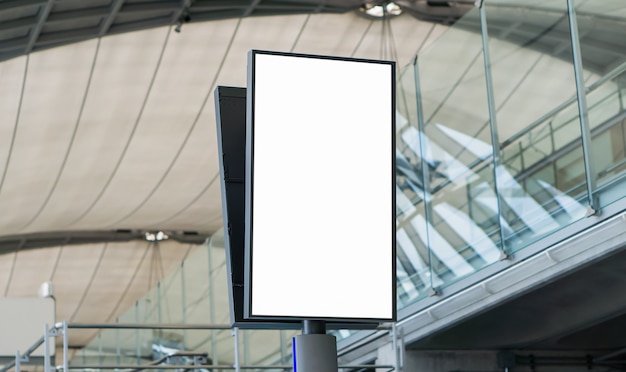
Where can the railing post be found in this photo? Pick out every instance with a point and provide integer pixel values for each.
(493, 122)
(46, 349)
(18, 361)
(214, 355)
(65, 347)
(394, 342)
(425, 171)
(585, 129)
(236, 349)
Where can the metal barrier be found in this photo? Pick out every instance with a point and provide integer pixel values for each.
(62, 329)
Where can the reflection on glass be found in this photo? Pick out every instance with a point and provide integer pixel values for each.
(461, 235)
(537, 115)
(451, 212)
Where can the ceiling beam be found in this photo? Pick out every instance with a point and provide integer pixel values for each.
(151, 7)
(18, 4)
(251, 7)
(108, 21)
(66, 37)
(17, 24)
(34, 33)
(184, 7)
(12, 243)
(13, 44)
(199, 6)
(86, 13)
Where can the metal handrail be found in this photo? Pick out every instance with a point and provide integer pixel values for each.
(219, 366)
(146, 326)
(26, 354)
(612, 74)
(64, 326)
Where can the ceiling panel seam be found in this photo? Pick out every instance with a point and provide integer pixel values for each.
(17, 120)
(295, 42)
(132, 133)
(426, 37)
(358, 44)
(56, 263)
(195, 122)
(91, 279)
(454, 86)
(6, 289)
(72, 138)
(192, 202)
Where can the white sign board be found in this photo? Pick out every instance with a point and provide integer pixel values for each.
(320, 211)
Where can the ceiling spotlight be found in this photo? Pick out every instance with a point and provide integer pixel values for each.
(380, 9)
(156, 236)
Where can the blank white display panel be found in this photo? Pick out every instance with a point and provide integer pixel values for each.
(320, 188)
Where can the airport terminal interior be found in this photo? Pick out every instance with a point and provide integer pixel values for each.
(510, 182)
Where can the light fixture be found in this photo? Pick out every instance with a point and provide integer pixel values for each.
(380, 9)
(46, 290)
(156, 236)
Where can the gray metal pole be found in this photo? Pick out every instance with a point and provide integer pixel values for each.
(585, 129)
(46, 349)
(183, 293)
(118, 351)
(18, 361)
(237, 365)
(137, 335)
(65, 347)
(283, 346)
(313, 327)
(314, 350)
(394, 343)
(212, 318)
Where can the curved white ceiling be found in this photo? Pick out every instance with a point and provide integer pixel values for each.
(119, 132)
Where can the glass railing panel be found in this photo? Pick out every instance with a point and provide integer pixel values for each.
(612, 8)
(268, 348)
(456, 145)
(412, 262)
(172, 297)
(601, 25)
(542, 178)
(537, 116)
(607, 117)
(531, 61)
(133, 342)
(603, 51)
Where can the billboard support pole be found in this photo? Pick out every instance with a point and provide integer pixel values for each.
(314, 350)
(313, 327)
